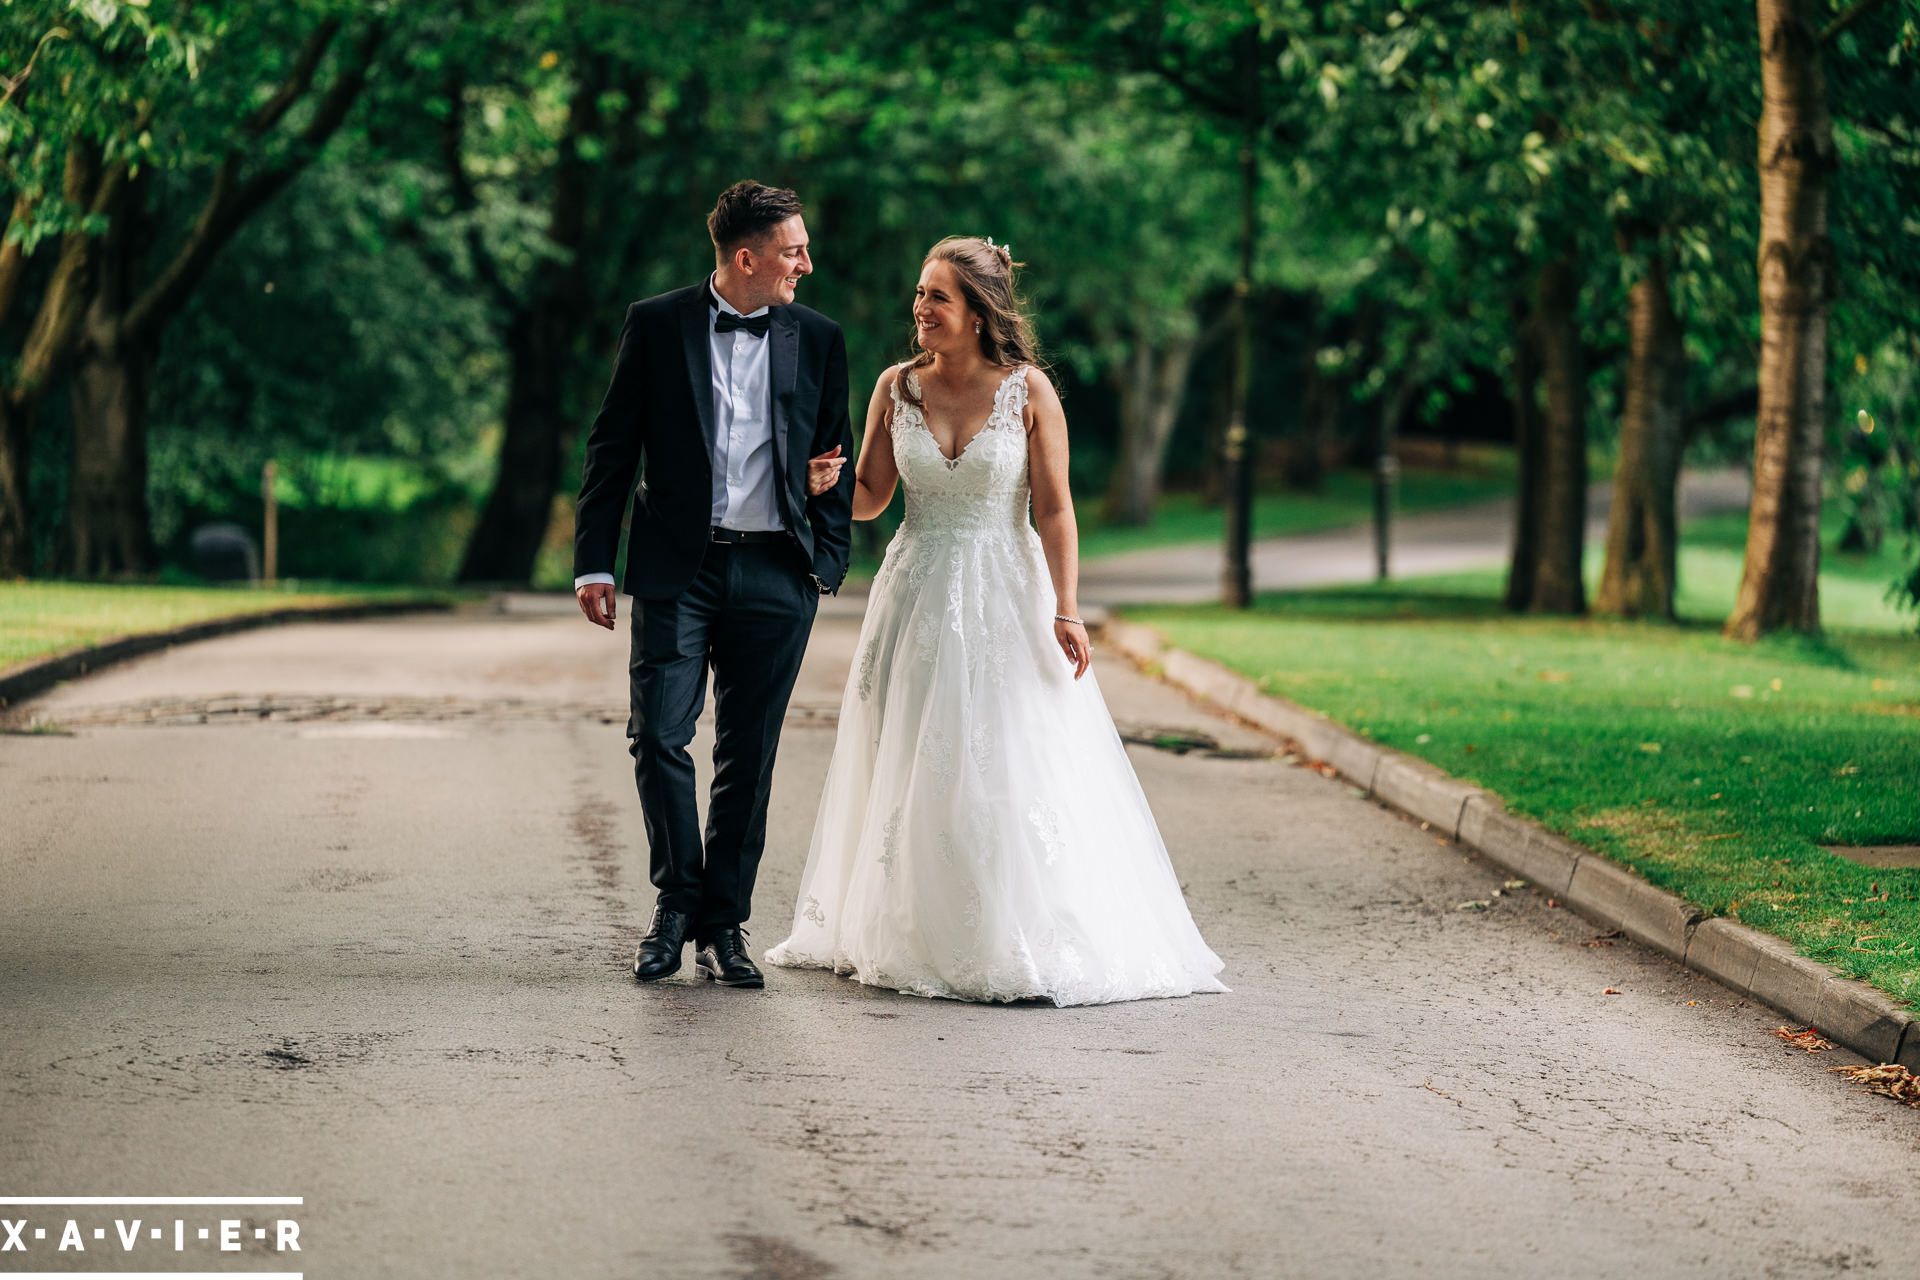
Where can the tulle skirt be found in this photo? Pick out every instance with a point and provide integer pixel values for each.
(981, 833)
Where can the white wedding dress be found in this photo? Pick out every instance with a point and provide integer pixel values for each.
(981, 834)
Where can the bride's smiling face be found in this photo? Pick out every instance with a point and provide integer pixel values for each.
(941, 317)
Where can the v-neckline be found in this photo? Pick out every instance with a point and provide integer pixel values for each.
(920, 412)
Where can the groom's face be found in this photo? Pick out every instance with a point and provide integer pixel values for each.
(779, 262)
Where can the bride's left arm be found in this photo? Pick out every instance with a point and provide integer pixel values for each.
(1053, 514)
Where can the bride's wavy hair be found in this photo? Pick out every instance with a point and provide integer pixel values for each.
(986, 274)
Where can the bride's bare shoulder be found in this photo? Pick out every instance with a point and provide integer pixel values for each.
(1042, 399)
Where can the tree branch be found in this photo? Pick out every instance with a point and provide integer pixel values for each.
(298, 81)
(1844, 20)
(53, 336)
(231, 201)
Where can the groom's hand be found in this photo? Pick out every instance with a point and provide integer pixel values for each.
(596, 601)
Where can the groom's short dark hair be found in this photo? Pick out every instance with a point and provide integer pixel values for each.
(746, 211)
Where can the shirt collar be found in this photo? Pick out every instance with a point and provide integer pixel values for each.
(716, 302)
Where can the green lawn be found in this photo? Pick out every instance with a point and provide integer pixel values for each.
(42, 618)
(1483, 473)
(1715, 769)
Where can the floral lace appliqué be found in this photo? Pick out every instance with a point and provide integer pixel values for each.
(890, 843)
(1046, 820)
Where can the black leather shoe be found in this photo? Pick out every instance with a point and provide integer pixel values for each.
(723, 959)
(659, 954)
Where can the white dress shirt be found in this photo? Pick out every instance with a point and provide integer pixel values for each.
(744, 497)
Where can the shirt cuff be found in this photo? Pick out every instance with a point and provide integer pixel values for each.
(585, 578)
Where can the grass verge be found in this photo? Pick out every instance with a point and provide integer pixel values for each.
(1716, 770)
(39, 619)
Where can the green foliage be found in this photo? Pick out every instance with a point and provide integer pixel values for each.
(85, 69)
(1416, 162)
(1879, 482)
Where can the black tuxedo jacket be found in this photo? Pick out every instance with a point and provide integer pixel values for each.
(657, 419)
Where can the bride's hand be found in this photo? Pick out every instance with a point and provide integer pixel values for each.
(1072, 638)
(823, 472)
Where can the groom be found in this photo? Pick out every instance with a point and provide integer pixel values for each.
(721, 393)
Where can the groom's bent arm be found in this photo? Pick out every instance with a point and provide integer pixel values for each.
(831, 513)
(606, 481)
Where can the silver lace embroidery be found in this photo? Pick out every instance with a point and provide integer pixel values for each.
(889, 843)
(937, 747)
(1046, 820)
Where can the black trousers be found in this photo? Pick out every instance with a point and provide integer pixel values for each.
(747, 615)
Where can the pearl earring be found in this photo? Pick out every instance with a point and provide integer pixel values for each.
(976, 328)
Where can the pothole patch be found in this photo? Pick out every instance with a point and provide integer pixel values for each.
(1182, 742)
(353, 716)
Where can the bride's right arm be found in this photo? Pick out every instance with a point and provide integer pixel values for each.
(875, 475)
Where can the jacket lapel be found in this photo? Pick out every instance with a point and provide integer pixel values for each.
(783, 362)
(696, 329)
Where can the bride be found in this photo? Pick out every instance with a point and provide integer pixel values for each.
(981, 834)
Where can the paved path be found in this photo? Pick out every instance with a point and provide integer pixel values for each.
(378, 959)
(1469, 537)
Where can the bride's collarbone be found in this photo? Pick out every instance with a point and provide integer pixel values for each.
(955, 414)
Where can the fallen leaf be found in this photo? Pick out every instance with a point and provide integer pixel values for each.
(1553, 902)
(1611, 991)
(1514, 884)
(1889, 1078)
(1478, 904)
(1810, 1039)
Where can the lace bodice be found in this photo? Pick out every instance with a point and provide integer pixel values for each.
(982, 490)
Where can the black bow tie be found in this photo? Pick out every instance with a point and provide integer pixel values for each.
(727, 322)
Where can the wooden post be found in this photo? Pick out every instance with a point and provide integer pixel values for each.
(271, 538)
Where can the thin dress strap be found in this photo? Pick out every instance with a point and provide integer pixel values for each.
(900, 374)
(1014, 388)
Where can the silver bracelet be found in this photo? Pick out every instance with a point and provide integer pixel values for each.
(1061, 617)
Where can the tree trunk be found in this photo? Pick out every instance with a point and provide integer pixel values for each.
(16, 536)
(1236, 575)
(107, 530)
(1151, 386)
(1557, 585)
(1527, 445)
(541, 335)
(1780, 585)
(513, 523)
(1638, 581)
